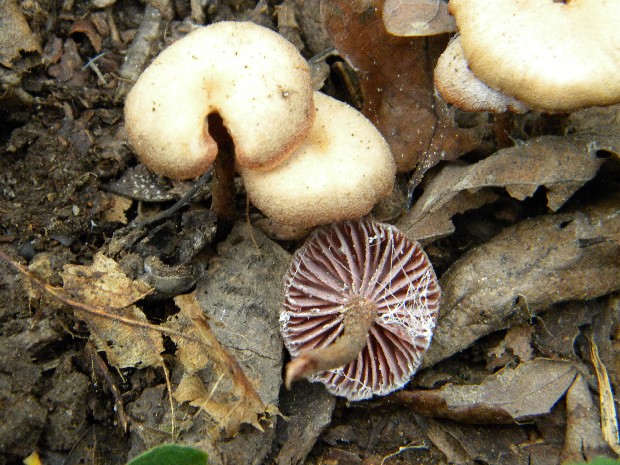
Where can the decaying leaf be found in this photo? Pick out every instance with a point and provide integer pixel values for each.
(609, 419)
(396, 80)
(560, 327)
(496, 444)
(230, 400)
(118, 206)
(104, 286)
(15, 34)
(516, 346)
(561, 164)
(524, 270)
(584, 440)
(417, 17)
(506, 397)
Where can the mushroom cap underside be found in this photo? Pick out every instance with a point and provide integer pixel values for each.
(374, 261)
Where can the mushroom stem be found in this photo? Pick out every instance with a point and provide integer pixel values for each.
(358, 316)
(223, 186)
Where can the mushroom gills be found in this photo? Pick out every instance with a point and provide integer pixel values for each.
(358, 315)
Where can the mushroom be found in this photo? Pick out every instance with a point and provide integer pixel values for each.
(550, 55)
(458, 85)
(342, 168)
(361, 302)
(250, 77)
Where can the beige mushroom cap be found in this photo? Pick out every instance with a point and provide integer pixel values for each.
(252, 77)
(552, 56)
(458, 85)
(339, 172)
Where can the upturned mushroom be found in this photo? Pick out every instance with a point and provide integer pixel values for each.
(342, 168)
(361, 302)
(550, 55)
(247, 75)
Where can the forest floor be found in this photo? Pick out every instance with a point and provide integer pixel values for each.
(520, 215)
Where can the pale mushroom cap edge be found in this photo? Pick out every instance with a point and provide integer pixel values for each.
(551, 56)
(251, 76)
(339, 171)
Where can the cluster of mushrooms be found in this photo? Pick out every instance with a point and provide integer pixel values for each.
(305, 158)
(361, 299)
(517, 55)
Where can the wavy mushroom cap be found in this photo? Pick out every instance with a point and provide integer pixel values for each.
(339, 172)
(252, 77)
(550, 55)
(371, 261)
(458, 85)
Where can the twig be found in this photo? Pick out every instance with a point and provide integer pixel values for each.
(103, 312)
(100, 368)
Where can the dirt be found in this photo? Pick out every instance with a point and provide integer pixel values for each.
(69, 190)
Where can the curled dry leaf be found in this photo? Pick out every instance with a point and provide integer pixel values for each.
(524, 270)
(609, 418)
(506, 397)
(15, 34)
(104, 286)
(417, 17)
(396, 80)
(561, 164)
(584, 440)
(230, 400)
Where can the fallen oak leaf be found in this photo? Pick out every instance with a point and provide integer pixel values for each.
(508, 396)
(103, 284)
(396, 80)
(561, 164)
(232, 400)
(524, 270)
(86, 309)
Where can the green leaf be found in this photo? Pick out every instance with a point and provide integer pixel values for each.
(171, 454)
(598, 461)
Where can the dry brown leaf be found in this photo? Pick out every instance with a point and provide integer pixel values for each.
(559, 328)
(584, 440)
(524, 270)
(103, 285)
(609, 419)
(396, 80)
(516, 346)
(230, 400)
(417, 17)
(561, 164)
(84, 26)
(15, 34)
(117, 209)
(519, 340)
(508, 396)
